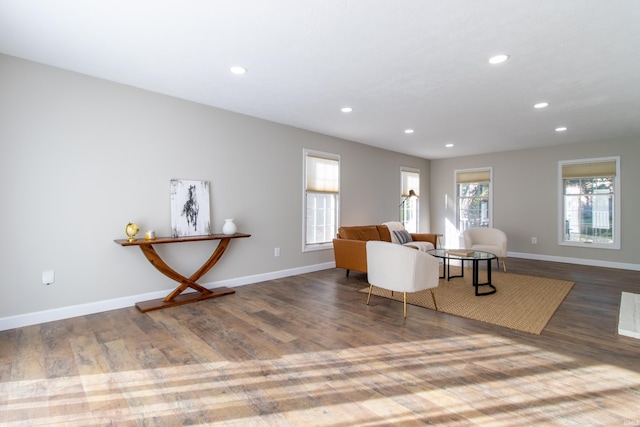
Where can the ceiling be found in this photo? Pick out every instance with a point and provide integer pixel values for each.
(400, 64)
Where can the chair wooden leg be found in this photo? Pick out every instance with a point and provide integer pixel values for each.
(504, 264)
(369, 297)
(434, 299)
(405, 305)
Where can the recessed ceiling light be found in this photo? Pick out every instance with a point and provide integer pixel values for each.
(448, 145)
(346, 109)
(238, 70)
(498, 59)
(561, 129)
(541, 105)
(408, 131)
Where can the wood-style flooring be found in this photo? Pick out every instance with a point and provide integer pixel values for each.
(306, 350)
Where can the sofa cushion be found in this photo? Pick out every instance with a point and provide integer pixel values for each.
(385, 234)
(366, 232)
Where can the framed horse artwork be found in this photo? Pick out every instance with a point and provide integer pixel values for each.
(190, 210)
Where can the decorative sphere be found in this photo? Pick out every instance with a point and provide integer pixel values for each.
(132, 229)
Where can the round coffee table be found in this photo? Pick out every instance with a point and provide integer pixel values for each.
(462, 255)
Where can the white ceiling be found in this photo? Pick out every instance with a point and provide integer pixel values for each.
(419, 64)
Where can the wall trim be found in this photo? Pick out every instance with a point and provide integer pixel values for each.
(28, 319)
(580, 261)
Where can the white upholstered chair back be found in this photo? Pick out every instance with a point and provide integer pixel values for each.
(489, 240)
(400, 269)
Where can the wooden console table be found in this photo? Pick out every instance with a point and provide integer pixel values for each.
(174, 298)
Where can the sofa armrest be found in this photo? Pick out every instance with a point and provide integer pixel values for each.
(424, 237)
(350, 254)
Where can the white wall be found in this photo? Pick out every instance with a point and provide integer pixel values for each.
(525, 200)
(80, 157)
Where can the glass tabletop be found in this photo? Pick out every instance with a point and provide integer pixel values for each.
(460, 254)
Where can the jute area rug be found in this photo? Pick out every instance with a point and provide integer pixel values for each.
(523, 303)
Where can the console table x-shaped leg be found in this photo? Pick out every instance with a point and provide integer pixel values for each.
(176, 297)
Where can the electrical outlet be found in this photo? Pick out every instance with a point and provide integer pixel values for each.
(276, 252)
(48, 277)
(534, 240)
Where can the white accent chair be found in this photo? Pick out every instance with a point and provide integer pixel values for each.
(489, 240)
(401, 269)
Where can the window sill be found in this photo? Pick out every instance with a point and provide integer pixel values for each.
(590, 245)
(317, 247)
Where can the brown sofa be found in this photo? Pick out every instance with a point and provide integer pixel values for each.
(350, 245)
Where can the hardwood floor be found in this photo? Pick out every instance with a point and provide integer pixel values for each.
(306, 350)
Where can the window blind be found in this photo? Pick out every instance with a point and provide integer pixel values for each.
(322, 174)
(589, 170)
(410, 181)
(473, 176)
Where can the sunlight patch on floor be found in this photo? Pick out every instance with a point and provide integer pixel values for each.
(481, 379)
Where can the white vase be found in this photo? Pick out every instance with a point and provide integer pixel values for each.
(229, 226)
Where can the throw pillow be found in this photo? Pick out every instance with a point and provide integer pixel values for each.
(403, 236)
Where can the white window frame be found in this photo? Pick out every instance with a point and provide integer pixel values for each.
(410, 203)
(616, 206)
(308, 247)
(457, 195)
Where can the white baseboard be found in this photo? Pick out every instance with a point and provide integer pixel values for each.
(580, 261)
(27, 319)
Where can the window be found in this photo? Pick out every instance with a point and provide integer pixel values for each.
(589, 205)
(321, 199)
(473, 193)
(409, 212)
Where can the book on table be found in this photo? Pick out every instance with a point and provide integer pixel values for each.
(460, 252)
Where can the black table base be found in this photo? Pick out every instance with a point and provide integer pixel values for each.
(475, 281)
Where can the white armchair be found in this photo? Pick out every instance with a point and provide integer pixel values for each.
(489, 240)
(401, 269)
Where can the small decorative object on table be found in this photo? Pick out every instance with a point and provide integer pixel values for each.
(229, 227)
(150, 235)
(131, 229)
